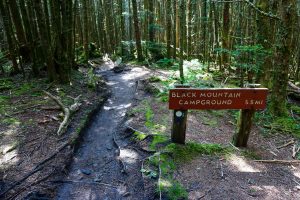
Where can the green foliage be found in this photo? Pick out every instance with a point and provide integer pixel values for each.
(175, 191)
(249, 57)
(188, 151)
(92, 79)
(139, 136)
(11, 120)
(157, 139)
(285, 124)
(24, 88)
(80, 55)
(166, 63)
(149, 116)
(6, 84)
(149, 173)
(155, 51)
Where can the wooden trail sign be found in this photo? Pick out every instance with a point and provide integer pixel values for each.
(197, 99)
(183, 98)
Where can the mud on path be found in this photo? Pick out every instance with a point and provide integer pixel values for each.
(103, 168)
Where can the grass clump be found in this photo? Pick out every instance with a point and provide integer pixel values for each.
(250, 154)
(188, 151)
(139, 136)
(173, 189)
(157, 139)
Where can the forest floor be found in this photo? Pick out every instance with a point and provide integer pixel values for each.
(29, 121)
(125, 151)
(231, 173)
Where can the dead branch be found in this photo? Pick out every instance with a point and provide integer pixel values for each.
(159, 176)
(286, 144)
(222, 172)
(294, 87)
(84, 182)
(295, 151)
(68, 111)
(279, 161)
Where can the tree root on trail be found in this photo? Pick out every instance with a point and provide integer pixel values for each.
(84, 182)
(279, 161)
(68, 111)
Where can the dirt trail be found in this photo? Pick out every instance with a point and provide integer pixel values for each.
(96, 162)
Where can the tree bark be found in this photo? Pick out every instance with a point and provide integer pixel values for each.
(16, 17)
(9, 34)
(284, 49)
(137, 31)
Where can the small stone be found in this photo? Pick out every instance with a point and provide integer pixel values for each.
(86, 171)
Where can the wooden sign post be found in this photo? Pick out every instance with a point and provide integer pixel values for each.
(183, 99)
(179, 122)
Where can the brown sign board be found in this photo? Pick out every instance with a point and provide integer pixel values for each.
(224, 98)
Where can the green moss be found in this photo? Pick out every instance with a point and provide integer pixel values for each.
(287, 124)
(149, 116)
(23, 89)
(250, 154)
(11, 120)
(6, 84)
(157, 139)
(175, 191)
(139, 136)
(153, 79)
(295, 109)
(188, 151)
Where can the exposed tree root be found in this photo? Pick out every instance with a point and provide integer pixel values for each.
(279, 161)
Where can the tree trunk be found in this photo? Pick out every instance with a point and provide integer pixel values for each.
(16, 17)
(174, 28)
(169, 27)
(9, 34)
(182, 36)
(46, 46)
(225, 34)
(137, 31)
(284, 49)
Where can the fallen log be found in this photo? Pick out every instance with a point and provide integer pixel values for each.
(68, 111)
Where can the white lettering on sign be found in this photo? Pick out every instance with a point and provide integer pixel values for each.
(205, 102)
(209, 95)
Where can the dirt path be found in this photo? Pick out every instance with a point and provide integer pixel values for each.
(96, 171)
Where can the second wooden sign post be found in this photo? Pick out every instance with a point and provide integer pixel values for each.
(183, 98)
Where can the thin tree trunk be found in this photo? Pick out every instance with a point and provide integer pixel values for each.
(137, 31)
(9, 33)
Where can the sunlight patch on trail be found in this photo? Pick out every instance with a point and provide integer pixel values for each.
(241, 164)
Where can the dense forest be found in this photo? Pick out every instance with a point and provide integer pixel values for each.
(256, 40)
(234, 43)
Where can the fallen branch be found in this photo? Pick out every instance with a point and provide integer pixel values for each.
(68, 111)
(295, 151)
(286, 144)
(294, 87)
(84, 182)
(279, 161)
(159, 176)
